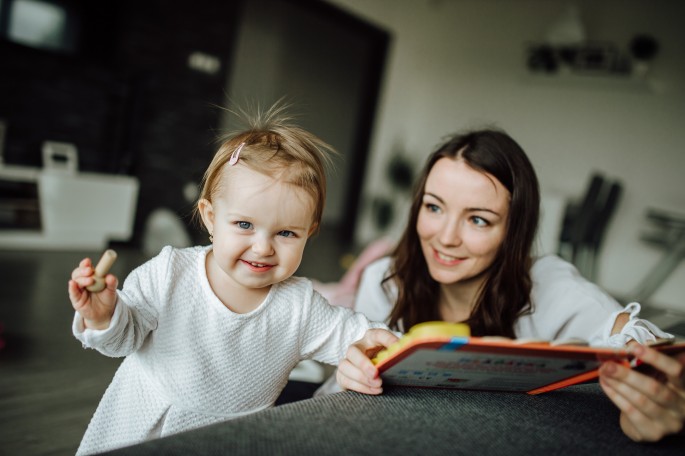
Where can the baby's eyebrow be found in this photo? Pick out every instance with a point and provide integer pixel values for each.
(293, 228)
(237, 215)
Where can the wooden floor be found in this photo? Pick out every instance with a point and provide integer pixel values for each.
(49, 385)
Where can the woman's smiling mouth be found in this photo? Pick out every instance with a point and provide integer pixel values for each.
(446, 260)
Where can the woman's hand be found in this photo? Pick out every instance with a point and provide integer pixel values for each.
(651, 406)
(356, 372)
(95, 308)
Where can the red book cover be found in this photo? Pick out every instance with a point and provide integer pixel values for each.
(430, 357)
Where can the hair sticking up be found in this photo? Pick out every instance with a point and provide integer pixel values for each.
(272, 144)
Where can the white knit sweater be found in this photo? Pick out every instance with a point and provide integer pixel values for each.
(191, 362)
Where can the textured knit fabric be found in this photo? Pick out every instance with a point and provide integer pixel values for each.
(190, 361)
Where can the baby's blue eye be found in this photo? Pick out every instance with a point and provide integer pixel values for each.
(244, 225)
(286, 233)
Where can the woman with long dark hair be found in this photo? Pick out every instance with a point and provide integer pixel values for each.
(466, 256)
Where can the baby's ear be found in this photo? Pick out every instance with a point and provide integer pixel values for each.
(206, 211)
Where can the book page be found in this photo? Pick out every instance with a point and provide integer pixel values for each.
(463, 369)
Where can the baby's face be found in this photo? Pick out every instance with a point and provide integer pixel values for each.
(260, 227)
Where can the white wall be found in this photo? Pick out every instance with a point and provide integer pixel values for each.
(455, 64)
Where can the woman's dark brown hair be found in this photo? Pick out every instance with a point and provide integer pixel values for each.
(505, 294)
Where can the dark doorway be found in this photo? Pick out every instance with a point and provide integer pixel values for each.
(329, 64)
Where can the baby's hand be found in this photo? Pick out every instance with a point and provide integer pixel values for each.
(356, 372)
(95, 308)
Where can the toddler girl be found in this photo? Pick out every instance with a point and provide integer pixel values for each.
(210, 333)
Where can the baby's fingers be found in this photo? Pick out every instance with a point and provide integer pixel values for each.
(111, 282)
(77, 295)
(350, 377)
(357, 357)
(84, 269)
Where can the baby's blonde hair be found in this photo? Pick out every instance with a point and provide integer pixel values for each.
(276, 147)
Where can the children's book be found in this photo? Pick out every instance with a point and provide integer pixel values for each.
(443, 355)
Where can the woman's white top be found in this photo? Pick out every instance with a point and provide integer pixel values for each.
(190, 361)
(564, 306)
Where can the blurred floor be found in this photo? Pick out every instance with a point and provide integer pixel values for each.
(49, 385)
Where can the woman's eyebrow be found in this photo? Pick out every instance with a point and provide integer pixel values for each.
(469, 209)
(434, 196)
(482, 209)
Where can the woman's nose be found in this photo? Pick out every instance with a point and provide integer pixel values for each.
(450, 233)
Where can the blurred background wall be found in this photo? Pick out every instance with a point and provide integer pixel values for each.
(383, 80)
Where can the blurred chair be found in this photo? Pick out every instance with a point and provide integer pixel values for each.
(668, 234)
(585, 224)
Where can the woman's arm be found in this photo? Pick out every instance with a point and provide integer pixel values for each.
(566, 305)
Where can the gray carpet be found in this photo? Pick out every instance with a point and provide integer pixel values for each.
(411, 421)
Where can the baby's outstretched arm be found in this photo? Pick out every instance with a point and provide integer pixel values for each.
(96, 306)
(356, 371)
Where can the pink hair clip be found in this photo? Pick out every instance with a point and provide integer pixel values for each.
(235, 155)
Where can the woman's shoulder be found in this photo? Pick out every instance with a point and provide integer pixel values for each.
(379, 268)
(553, 262)
(557, 280)
(553, 269)
(564, 303)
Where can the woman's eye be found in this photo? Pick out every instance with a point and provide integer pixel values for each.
(286, 233)
(244, 225)
(432, 207)
(479, 221)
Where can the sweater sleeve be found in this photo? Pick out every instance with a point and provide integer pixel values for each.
(638, 329)
(135, 313)
(566, 305)
(328, 330)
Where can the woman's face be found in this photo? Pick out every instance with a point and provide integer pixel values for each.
(462, 221)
